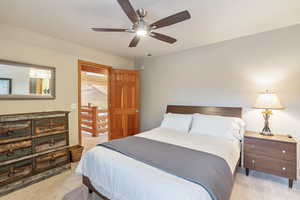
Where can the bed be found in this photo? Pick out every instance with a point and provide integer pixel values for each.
(113, 175)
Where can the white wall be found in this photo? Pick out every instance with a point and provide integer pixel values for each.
(17, 44)
(230, 73)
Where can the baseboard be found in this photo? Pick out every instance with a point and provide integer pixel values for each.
(32, 179)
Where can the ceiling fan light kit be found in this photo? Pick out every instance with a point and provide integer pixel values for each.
(141, 28)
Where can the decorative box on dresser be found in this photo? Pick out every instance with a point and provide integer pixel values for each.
(276, 155)
(33, 146)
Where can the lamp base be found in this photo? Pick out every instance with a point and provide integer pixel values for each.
(266, 133)
(266, 130)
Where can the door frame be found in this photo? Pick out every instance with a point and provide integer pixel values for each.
(97, 68)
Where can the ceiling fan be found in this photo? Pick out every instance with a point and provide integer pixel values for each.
(141, 28)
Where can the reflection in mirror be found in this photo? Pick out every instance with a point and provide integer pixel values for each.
(5, 86)
(26, 81)
(39, 81)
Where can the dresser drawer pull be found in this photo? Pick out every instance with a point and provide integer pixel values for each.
(10, 153)
(52, 159)
(52, 142)
(11, 172)
(283, 168)
(283, 151)
(10, 132)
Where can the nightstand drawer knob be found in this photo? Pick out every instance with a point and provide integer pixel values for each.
(283, 168)
(283, 151)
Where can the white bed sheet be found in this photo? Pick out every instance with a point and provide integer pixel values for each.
(119, 177)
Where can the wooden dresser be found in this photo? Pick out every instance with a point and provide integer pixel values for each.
(271, 154)
(33, 146)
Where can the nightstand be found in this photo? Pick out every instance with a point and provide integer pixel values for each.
(276, 155)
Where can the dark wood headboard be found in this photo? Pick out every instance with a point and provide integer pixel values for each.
(206, 110)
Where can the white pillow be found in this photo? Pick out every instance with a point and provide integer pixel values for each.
(226, 127)
(178, 122)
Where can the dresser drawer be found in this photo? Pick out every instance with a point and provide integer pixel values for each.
(44, 126)
(51, 160)
(272, 149)
(13, 172)
(15, 150)
(50, 142)
(269, 165)
(9, 130)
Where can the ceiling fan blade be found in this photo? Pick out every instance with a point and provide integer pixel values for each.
(173, 19)
(163, 37)
(134, 41)
(109, 29)
(128, 9)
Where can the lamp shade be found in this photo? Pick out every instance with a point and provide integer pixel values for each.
(268, 101)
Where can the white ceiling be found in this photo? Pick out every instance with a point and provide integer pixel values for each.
(212, 21)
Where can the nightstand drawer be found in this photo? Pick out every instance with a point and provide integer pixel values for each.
(269, 165)
(271, 149)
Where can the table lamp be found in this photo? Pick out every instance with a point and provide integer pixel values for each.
(267, 101)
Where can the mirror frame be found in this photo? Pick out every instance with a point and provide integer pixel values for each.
(31, 97)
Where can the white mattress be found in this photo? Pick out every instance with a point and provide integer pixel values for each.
(119, 177)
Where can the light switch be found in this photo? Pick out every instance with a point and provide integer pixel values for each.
(73, 106)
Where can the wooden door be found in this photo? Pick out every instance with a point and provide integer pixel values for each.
(124, 103)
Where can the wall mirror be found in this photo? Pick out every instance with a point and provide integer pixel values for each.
(26, 81)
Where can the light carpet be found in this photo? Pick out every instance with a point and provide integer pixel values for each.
(68, 186)
(257, 186)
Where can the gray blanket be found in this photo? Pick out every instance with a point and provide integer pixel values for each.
(208, 170)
